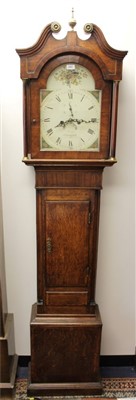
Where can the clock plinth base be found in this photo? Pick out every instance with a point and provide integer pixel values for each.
(64, 389)
(65, 350)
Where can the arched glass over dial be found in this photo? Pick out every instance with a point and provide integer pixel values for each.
(70, 110)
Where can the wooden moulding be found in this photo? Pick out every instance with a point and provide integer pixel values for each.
(65, 177)
(108, 58)
(59, 389)
(9, 359)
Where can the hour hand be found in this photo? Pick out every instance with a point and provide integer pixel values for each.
(61, 123)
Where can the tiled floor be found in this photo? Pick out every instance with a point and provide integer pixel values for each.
(106, 372)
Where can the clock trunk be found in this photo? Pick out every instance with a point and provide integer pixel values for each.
(66, 318)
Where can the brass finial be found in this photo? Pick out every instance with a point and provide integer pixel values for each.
(88, 28)
(55, 27)
(72, 22)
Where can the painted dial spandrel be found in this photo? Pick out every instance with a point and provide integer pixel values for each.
(69, 112)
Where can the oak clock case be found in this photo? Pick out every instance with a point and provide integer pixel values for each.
(70, 118)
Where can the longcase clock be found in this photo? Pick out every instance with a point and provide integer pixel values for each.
(70, 117)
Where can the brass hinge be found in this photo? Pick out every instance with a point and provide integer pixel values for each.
(89, 217)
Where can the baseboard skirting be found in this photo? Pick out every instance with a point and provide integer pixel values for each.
(105, 361)
(118, 361)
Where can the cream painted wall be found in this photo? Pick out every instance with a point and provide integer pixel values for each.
(21, 24)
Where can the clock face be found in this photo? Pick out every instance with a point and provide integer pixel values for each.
(70, 110)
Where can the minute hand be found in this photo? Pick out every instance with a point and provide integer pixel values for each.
(79, 121)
